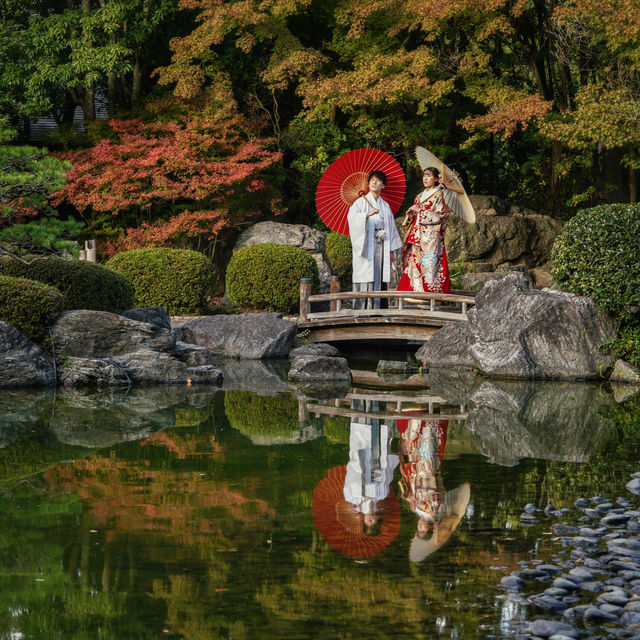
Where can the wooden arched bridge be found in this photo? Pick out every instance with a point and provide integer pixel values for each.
(408, 316)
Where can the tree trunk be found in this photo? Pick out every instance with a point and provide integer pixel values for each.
(136, 82)
(556, 157)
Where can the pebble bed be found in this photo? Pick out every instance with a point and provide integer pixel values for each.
(593, 592)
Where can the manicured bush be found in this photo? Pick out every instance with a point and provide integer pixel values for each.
(267, 276)
(29, 306)
(339, 253)
(597, 254)
(83, 285)
(262, 416)
(179, 280)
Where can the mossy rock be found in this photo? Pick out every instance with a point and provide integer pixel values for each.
(179, 280)
(267, 276)
(83, 285)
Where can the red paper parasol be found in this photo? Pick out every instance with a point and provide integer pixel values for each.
(336, 521)
(346, 179)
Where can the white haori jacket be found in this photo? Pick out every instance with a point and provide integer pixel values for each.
(362, 231)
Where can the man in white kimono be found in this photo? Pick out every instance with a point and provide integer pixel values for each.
(374, 237)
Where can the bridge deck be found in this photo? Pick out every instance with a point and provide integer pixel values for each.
(411, 316)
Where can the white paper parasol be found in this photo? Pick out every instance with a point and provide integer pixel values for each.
(455, 196)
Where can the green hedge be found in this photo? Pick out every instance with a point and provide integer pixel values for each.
(83, 285)
(266, 416)
(597, 254)
(29, 306)
(267, 276)
(179, 280)
(339, 253)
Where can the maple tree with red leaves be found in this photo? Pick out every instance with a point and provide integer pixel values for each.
(179, 175)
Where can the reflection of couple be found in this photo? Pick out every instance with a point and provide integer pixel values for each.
(370, 472)
(439, 512)
(374, 237)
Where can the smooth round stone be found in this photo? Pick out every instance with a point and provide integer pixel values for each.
(594, 614)
(633, 525)
(624, 564)
(633, 486)
(592, 513)
(511, 583)
(561, 529)
(528, 518)
(618, 598)
(530, 574)
(594, 564)
(613, 535)
(612, 609)
(584, 519)
(564, 583)
(631, 619)
(581, 503)
(561, 636)
(604, 507)
(592, 532)
(581, 574)
(550, 568)
(582, 542)
(575, 612)
(570, 599)
(615, 520)
(530, 508)
(598, 500)
(556, 592)
(547, 628)
(547, 603)
(623, 502)
(629, 575)
(591, 585)
(616, 582)
(633, 605)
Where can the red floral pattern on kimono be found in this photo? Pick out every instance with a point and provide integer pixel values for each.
(421, 451)
(424, 257)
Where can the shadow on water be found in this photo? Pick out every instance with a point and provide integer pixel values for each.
(259, 509)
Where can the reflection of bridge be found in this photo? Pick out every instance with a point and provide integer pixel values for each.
(419, 406)
(410, 316)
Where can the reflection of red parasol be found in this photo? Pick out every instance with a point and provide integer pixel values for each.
(336, 521)
(346, 179)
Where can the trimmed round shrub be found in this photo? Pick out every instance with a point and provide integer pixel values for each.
(267, 276)
(262, 416)
(29, 306)
(83, 285)
(179, 280)
(597, 254)
(339, 253)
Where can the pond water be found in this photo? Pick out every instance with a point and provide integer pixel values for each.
(205, 512)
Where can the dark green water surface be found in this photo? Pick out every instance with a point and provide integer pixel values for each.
(187, 512)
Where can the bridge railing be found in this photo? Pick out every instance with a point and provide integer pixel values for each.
(408, 302)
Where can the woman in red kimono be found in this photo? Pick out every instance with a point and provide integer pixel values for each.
(424, 258)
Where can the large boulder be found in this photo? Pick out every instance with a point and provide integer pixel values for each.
(521, 333)
(97, 347)
(296, 235)
(502, 235)
(251, 335)
(22, 363)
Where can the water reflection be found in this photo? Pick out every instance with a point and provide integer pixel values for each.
(192, 512)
